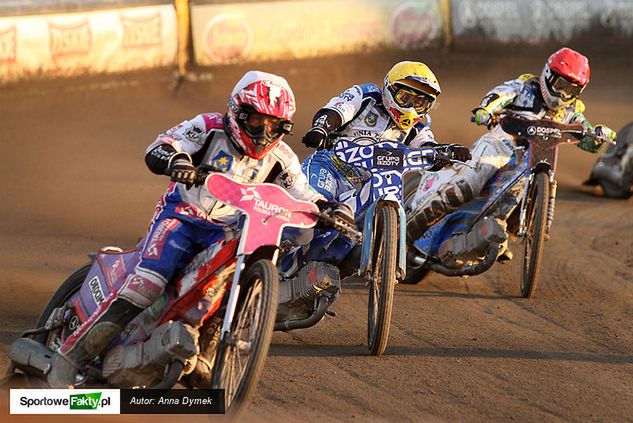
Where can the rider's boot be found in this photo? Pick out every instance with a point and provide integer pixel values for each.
(84, 345)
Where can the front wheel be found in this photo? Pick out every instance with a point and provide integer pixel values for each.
(538, 201)
(240, 357)
(383, 280)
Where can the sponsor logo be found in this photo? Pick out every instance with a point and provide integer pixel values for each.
(260, 206)
(227, 38)
(194, 134)
(96, 291)
(8, 45)
(141, 32)
(347, 95)
(116, 271)
(222, 161)
(414, 24)
(70, 40)
(73, 323)
(387, 158)
(249, 194)
(155, 246)
(371, 119)
(287, 179)
(543, 131)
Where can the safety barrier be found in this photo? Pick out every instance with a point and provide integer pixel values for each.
(69, 37)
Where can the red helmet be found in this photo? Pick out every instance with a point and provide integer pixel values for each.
(565, 75)
(260, 108)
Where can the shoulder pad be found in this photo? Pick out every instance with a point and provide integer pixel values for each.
(371, 90)
(526, 77)
(579, 107)
(212, 121)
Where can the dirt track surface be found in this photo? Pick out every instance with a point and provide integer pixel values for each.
(74, 180)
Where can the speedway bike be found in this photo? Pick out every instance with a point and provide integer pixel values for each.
(212, 326)
(519, 200)
(379, 257)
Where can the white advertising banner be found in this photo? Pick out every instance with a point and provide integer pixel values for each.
(92, 42)
(539, 20)
(240, 32)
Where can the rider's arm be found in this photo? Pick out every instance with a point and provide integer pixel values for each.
(344, 107)
(181, 141)
(502, 95)
(588, 143)
(423, 136)
(291, 178)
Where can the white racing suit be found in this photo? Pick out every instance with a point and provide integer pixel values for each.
(185, 222)
(442, 192)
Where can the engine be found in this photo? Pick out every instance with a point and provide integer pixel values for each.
(143, 364)
(297, 294)
(473, 245)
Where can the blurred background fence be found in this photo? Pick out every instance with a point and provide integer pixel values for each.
(50, 38)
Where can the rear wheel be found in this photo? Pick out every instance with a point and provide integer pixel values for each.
(538, 201)
(240, 358)
(383, 279)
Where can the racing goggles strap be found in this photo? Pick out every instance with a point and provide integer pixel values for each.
(563, 87)
(407, 98)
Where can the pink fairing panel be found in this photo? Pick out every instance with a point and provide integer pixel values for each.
(269, 208)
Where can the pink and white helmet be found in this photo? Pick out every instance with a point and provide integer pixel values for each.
(260, 108)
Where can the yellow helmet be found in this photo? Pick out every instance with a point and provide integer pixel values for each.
(409, 91)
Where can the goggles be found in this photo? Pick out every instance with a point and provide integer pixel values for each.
(263, 129)
(562, 87)
(406, 98)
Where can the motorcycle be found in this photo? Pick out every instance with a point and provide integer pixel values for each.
(379, 257)
(211, 328)
(519, 200)
(613, 171)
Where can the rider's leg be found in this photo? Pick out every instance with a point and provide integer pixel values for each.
(170, 245)
(440, 193)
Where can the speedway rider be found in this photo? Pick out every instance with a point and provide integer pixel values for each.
(364, 113)
(246, 143)
(553, 95)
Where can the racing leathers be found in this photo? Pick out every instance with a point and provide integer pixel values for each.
(185, 222)
(358, 115)
(440, 193)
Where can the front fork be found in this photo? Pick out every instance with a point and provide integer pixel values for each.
(229, 314)
(551, 205)
(367, 246)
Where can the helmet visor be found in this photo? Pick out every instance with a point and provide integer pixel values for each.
(407, 98)
(564, 88)
(263, 129)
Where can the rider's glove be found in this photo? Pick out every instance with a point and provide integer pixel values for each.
(604, 133)
(459, 152)
(315, 138)
(481, 116)
(450, 152)
(182, 170)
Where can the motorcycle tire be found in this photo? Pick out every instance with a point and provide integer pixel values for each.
(383, 279)
(538, 203)
(254, 317)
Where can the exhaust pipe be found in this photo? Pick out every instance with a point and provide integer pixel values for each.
(31, 357)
